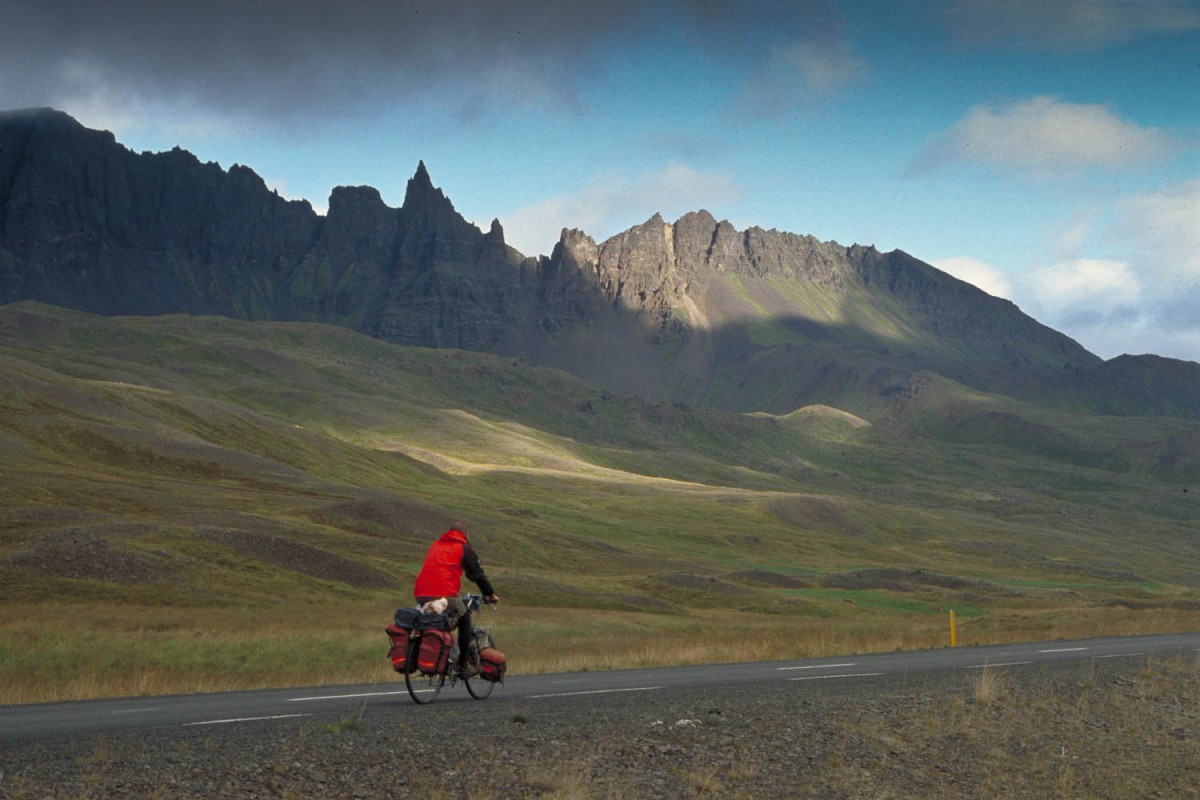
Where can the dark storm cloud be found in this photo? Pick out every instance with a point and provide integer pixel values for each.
(1067, 24)
(275, 57)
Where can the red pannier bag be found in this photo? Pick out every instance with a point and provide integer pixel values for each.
(434, 651)
(492, 665)
(398, 653)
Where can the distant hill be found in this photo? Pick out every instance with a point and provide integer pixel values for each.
(693, 311)
(262, 493)
(145, 450)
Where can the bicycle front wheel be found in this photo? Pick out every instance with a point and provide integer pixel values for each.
(421, 688)
(477, 687)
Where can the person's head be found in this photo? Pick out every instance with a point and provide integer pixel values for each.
(457, 530)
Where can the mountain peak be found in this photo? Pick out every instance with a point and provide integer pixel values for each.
(695, 309)
(38, 114)
(422, 197)
(422, 174)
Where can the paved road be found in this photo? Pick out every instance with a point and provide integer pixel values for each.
(42, 721)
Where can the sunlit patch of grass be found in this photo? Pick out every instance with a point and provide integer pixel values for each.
(180, 445)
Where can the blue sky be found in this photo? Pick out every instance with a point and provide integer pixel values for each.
(1048, 152)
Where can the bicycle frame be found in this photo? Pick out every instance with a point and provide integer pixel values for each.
(424, 688)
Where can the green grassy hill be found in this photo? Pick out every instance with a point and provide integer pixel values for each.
(177, 486)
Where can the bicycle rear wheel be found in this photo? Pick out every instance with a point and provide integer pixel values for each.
(477, 687)
(421, 688)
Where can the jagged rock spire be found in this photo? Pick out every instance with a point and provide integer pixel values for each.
(421, 191)
(423, 201)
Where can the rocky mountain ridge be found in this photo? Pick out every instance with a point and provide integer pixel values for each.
(693, 311)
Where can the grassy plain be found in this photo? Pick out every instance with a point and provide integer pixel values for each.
(193, 503)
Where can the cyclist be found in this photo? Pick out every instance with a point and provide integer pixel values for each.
(441, 577)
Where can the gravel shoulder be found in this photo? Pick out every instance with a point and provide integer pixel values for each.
(1124, 728)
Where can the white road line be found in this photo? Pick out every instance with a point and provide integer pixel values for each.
(1001, 664)
(242, 719)
(1123, 655)
(136, 710)
(1064, 650)
(833, 677)
(818, 666)
(596, 691)
(343, 696)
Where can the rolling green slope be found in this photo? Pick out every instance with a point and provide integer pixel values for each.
(204, 462)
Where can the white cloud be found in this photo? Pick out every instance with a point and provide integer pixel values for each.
(97, 101)
(1095, 285)
(1068, 241)
(823, 66)
(616, 201)
(1144, 296)
(94, 101)
(1097, 302)
(800, 71)
(1164, 231)
(1045, 137)
(978, 273)
(1068, 24)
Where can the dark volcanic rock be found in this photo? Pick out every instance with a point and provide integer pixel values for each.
(87, 224)
(694, 311)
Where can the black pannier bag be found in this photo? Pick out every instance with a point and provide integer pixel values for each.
(432, 622)
(407, 618)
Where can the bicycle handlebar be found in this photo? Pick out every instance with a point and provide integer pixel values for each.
(474, 601)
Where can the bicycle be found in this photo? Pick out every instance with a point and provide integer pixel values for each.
(425, 688)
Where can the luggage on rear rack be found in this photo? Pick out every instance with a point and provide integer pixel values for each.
(398, 652)
(398, 634)
(407, 618)
(492, 665)
(434, 651)
(436, 642)
(432, 621)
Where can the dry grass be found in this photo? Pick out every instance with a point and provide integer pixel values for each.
(68, 652)
(988, 686)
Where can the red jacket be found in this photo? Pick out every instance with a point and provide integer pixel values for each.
(448, 558)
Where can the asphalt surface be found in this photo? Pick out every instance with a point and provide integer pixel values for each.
(25, 723)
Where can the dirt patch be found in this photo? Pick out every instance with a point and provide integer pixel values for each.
(46, 519)
(535, 591)
(910, 580)
(305, 559)
(386, 518)
(768, 579)
(816, 513)
(687, 586)
(1138, 605)
(75, 554)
